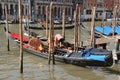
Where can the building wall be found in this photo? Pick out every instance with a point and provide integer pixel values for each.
(104, 8)
(12, 6)
(117, 2)
(40, 7)
(37, 7)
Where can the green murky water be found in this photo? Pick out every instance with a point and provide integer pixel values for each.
(36, 68)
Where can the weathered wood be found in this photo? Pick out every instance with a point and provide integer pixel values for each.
(63, 21)
(102, 24)
(21, 36)
(114, 24)
(51, 35)
(76, 29)
(114, 20)
(47, 21)
(79, 27)
(7, 27)
(92, 41)
(28, 21)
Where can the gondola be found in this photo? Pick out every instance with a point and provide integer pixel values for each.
(29, 33)
(27, 22)
(92, 50)
(85, 28)
(57, 27)
(97, 34)
(107, 30)
(82, 58)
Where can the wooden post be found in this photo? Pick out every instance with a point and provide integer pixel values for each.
(27, 22)
(92, 42)
(114, 20)
(79, 27)
(102, 24)
(51, 35)
(21, 36)
(47, 21)
(76, 29)
(7, 27)
(63, 21)
(114, 24)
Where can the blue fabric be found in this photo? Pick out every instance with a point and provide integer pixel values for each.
(96, 57)
(89, 55)
(107, 29)
(117, 29)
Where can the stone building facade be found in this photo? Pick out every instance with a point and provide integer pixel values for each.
(104, 8)
(36, 8)
(12, 6)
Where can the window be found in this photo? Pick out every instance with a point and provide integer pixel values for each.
(88, 11)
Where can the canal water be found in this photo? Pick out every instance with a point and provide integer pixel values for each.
(37, 68)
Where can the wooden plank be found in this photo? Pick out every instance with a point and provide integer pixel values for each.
(107, 39)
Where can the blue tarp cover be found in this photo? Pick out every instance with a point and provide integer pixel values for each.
(117, 29)
(97, 57)
(107, 29)
(89, 55)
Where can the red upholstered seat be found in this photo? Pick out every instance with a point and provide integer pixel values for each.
(17, 36)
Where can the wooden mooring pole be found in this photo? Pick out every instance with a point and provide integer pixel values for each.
(63, 21)
(21, 36)
(47, 21)
(114, 24)
(114, 20)
(92, 41)
(7, 27)
(51, 36)
(76, 28)
(27, 22)
(102, 24)
(79, 28)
